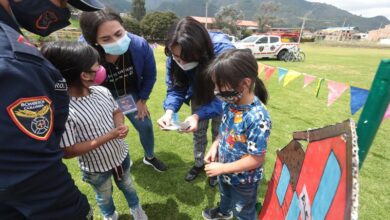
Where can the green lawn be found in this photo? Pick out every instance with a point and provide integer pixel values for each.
(168, 196)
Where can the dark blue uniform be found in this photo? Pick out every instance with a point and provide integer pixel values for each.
(34, 183)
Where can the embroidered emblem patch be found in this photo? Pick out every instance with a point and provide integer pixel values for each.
(33, 116)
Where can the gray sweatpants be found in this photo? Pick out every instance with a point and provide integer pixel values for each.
(199, 138)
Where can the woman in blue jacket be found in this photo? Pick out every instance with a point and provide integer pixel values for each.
(131, 71)
(190, 48)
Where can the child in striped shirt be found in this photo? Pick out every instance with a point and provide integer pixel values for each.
(95, 128)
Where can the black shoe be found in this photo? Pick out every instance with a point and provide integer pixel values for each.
(193, 173)
(156, 164)
(213, 181)
(214, 214)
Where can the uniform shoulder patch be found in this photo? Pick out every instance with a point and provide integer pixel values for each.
(33, 116)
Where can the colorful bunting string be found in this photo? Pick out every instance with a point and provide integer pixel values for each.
(308, 79)
(282, 73)
(261, 69)
(336, 89)
(291, 76)
(358, 98)
(387, 114)
(269, 70)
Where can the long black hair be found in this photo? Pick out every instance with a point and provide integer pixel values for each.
(91, 21)
(196, 45)
(232, 66)
(70, 58)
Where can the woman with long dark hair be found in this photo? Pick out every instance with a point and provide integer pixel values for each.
(190, 49)
(131, 71)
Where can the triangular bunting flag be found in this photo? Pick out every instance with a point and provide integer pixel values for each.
(269, 70)
(261, 68)
(387, 114)
(336, 89)
(282, 72)
(358, 98)
(317, 91)
(308, 79)
(290, 76)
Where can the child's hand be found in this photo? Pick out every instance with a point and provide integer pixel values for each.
(214, 169)
(123, 131)
(114, 133)
(211, 156)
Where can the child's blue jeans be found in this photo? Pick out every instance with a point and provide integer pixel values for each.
(240, 199)
(102, 185)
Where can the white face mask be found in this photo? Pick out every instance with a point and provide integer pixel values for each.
(187, 66)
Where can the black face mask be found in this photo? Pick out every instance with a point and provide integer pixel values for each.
(41, 17)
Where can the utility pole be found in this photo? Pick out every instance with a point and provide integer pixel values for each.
(207, 5)
(303, 26)
(342, 29)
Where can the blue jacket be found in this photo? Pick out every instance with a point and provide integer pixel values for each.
(33, 111)
(144, 64)
(176, 97)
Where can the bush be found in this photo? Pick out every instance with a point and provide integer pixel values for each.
(155, 25)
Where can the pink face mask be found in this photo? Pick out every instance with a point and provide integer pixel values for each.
(100, 75)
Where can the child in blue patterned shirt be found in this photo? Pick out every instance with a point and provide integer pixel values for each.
(237, 155)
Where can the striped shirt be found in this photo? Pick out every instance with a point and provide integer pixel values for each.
(89, 118)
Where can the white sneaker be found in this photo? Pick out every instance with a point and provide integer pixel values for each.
(138, 213)
(112, 217)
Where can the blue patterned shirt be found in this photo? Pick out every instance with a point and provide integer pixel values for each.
(244, 131)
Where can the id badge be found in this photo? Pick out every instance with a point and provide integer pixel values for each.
(126, 104)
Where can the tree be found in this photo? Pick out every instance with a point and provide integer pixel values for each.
(138, 11)
(155, 25)
(132, 25)
(226, 18)
(267, 15)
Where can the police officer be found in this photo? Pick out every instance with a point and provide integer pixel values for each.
(34, 183)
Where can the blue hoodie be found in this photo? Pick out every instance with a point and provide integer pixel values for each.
(176, 97)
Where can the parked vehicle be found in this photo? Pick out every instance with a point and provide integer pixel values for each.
(267, 46)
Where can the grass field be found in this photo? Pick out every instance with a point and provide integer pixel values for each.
(168, 196)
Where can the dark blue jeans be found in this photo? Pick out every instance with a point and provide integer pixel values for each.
(240, 199)
(144, 129)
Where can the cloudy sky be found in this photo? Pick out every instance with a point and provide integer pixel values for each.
(366, 8)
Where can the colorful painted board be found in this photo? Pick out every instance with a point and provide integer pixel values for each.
(319, 183)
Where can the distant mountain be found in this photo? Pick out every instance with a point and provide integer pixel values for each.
(290, 12)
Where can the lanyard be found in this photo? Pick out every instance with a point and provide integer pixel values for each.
(124, 76)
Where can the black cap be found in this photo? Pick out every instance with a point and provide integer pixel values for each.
(87, 5)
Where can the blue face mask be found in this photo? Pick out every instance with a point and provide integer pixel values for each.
(40, 17)
(118, 47)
